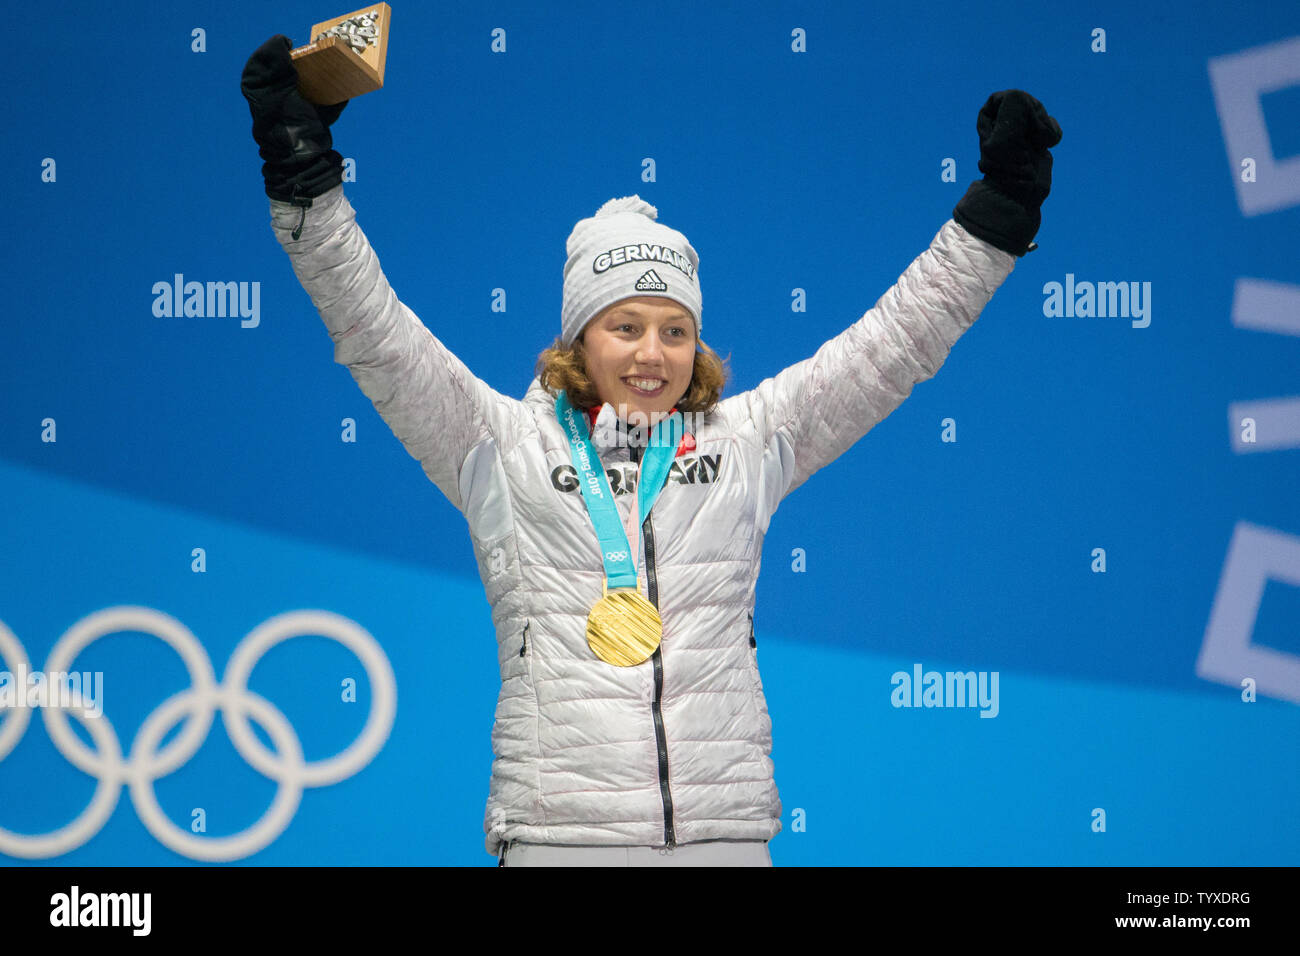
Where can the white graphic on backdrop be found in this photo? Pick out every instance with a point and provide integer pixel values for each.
(199, 703)
(1256, 555)
(1237, 80)
(1228, 654)
(1264, 305)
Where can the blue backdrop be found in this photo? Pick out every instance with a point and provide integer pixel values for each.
(1114, 531)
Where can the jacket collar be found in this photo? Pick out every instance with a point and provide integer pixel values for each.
(603, 423)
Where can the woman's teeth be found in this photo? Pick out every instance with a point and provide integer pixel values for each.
(645, 384)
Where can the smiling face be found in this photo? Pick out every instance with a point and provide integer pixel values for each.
(641, 355)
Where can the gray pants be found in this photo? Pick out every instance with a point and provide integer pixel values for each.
(710, 853)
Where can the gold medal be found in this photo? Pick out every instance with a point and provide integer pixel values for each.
(623, 628)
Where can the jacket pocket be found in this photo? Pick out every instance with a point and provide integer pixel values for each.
(517, 664)
(755, 681)
(761, 739)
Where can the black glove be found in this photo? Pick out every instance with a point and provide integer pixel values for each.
(294, 134)
(1003, 207)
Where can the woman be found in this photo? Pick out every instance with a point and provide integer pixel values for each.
(631, 726)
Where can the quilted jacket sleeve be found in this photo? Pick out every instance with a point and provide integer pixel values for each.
(812, 412)
(431, 401)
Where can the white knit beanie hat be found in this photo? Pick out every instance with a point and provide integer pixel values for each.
(622, 252)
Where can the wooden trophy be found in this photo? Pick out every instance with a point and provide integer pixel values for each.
(345, 57)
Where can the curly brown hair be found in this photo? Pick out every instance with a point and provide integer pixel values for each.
(563, 368)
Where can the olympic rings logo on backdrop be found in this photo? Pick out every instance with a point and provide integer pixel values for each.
(199, 703)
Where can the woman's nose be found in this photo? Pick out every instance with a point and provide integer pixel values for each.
(648, 349)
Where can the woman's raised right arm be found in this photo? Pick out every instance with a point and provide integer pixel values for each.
(426, 395)
(431, 401)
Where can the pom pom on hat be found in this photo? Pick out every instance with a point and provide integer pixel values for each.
(628, 204)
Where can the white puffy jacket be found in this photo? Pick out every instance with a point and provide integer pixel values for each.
(675, 750)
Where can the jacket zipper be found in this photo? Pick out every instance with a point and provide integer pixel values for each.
(656, 707)
(752, 642)
(524, 646)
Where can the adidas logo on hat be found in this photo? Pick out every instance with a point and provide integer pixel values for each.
(650, 282)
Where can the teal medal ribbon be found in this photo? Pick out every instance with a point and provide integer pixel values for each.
(615, 550)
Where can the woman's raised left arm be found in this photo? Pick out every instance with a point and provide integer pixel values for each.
(810, 413)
